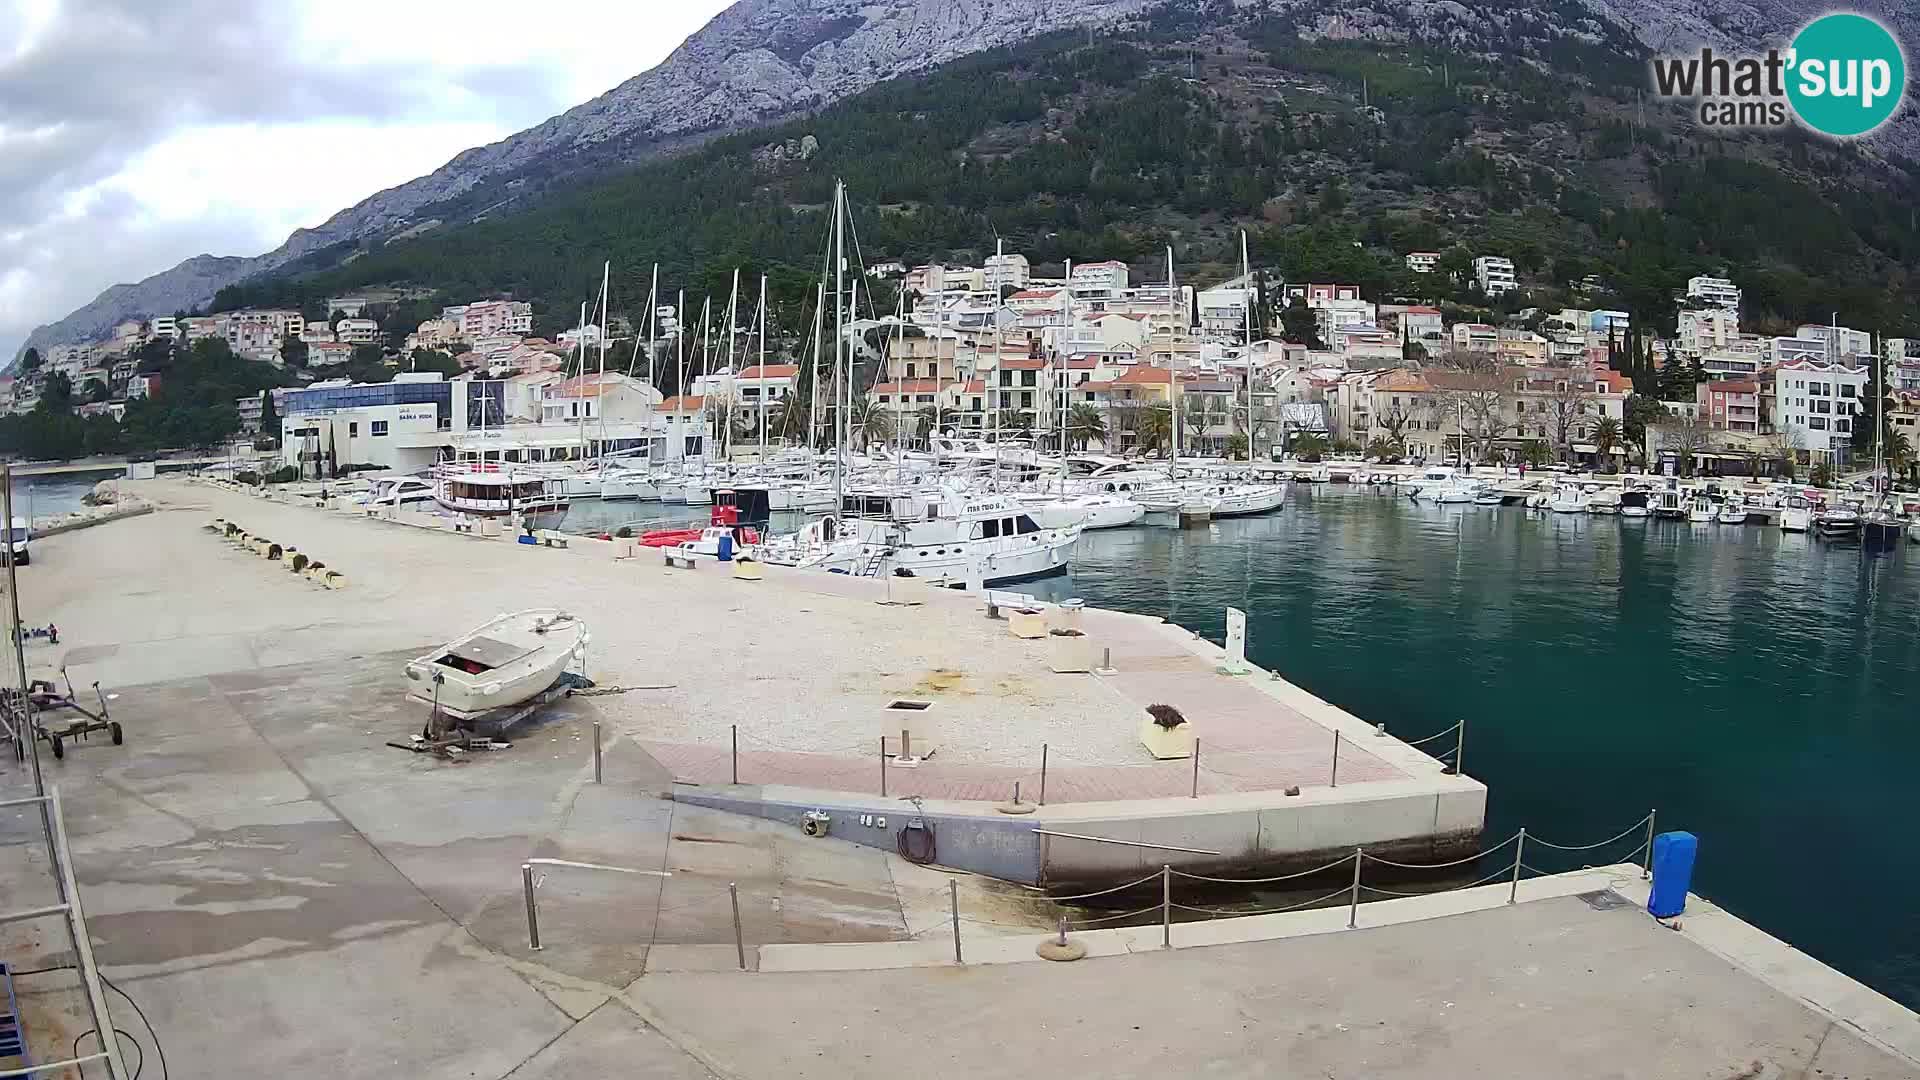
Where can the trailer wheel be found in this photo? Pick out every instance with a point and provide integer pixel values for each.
(113, 728)
(59, 748)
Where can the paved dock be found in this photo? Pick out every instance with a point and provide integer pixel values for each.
(285, 896)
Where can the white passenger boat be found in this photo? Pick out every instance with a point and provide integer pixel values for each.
(1796, 514)
(503, 663)
(1242, 500)
(1700, 510)
(491, 490)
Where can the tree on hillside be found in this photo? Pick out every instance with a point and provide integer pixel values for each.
(293, 353)
(93, 391)
(1299, 323)
(1640, 411)
(269, 417)
(56, 393)
(434, 360)
(30, 361)
(1874, 404)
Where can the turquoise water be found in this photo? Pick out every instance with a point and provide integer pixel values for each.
(1751, 686)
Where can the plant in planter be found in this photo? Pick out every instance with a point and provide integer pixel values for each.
(624, 532)
(1165, 733)
(623, 545)
(299, 562)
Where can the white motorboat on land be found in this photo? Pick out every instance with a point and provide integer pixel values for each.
(1796, 514)
(503, 663)
(490, 491)
(1700, 510)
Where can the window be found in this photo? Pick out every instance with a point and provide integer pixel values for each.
(1025, 525)
(990, 529)
(1842, 425)
(353, 429)
(1816, 423)
(1026, 399)
(909, 371)
(1846, 389)
(1006, 377)
(1028, 378)
(378, 428)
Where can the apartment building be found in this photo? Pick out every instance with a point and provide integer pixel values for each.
(1708, 329)
(489, 317)
(1818, 402)
(1007, 272)
(1423, 262)
(1494, 274)
(356, 331)
(1716, 291)
(1730, 405)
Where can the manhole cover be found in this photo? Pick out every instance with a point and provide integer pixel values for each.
(1605, 900)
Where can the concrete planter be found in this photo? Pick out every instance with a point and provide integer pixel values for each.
(1166, 743)
(1070, 651)
(908, 728)
(747, 570)
(1027, 624)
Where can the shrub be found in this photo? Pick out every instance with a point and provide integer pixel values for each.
(285, 474)
(299, 562)
(247, 477)
(624, 532)
(1166, 716)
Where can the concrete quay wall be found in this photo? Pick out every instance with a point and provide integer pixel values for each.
(1240, 834)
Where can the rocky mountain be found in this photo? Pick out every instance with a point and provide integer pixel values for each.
(762, 60)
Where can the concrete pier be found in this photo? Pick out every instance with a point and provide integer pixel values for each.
(287, 896)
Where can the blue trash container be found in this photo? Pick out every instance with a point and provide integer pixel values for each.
(726, 547)
(1673, 855)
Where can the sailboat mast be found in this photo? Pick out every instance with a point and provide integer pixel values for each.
(680, 357)
(600, 380)
(581, 373)
(840, 404)
(1173, 410)
(813, 405)
(761, 399)
(899, 385)
(1246, 297)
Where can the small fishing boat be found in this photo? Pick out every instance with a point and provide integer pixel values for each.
(1604, 502)
(1732, 512)
(503, 663)
(1840, 522)
(1633, 506)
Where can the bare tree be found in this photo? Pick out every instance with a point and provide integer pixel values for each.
(1685, 435)
(1567, 412)
(1478, 402)
(1481, 363)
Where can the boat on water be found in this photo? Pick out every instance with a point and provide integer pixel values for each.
(1487, 495)
(1838, 522)
(1732, 512)
(1083, 511)
(1667, 504)
(1603, 502)
(1567, 499)
(1796, 514)
(490, 490)
(397, 491)
(1881, 528)
(1701, 509)
(939, 533)
(500, 664)
(1633, 506)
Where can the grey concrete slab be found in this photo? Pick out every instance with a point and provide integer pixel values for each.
(611, 1042)
(1552, 988)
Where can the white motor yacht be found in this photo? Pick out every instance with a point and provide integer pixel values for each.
(1567, 499)
(503, 663)
(1700, 509)
(942, 534)
(1796, 514)
(1083, 511)
(397, 491)
(1732, 512)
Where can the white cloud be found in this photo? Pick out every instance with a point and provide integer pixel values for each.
(226, 125)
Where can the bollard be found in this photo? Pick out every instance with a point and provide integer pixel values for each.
(533, 918)
(883, 766)
(1646, 857)
(739, 941)
(1353, 900)
(1196, 770)
(1043, 776)
(1016, 793)
(1334, 780)
(736, 753)
(596, 751)
(953, 897)
(1166, 906)
(1519, 849)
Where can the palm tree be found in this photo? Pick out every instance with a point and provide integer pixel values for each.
(789, 418)
(1899, 451)
(1085, 424)
(1605, 436)
(1016, 422)
(926, 421)
(869, 423)
(1156, 427)
(1309, 446)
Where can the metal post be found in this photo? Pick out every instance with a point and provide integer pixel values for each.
(27, 733)
(533, 917)
(1196, 770)
(1334, 781)
(739, 941)
(883, 766)
(736, 753)
(1353, 899)
(596, 751)
(1063, 931)
(1043, 774)
(77, 935)
(953, 898)
(1166, 906)
(1460, 749)
(1646, 858)
(1519, 849)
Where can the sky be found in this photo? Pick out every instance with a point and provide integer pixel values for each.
(137, 133)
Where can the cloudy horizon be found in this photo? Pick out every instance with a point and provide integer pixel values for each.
(136, 135)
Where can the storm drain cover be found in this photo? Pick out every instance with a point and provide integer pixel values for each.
(1605, 900)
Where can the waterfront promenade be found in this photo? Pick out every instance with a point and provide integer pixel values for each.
(256, 859)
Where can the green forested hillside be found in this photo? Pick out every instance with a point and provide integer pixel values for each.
(1338, 157)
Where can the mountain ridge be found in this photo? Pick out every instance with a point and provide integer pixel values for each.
(760, 61)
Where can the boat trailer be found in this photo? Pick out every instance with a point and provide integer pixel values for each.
(41, 698)
(451, 736)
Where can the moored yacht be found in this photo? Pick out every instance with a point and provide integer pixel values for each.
(490, 490)
(937, 533)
